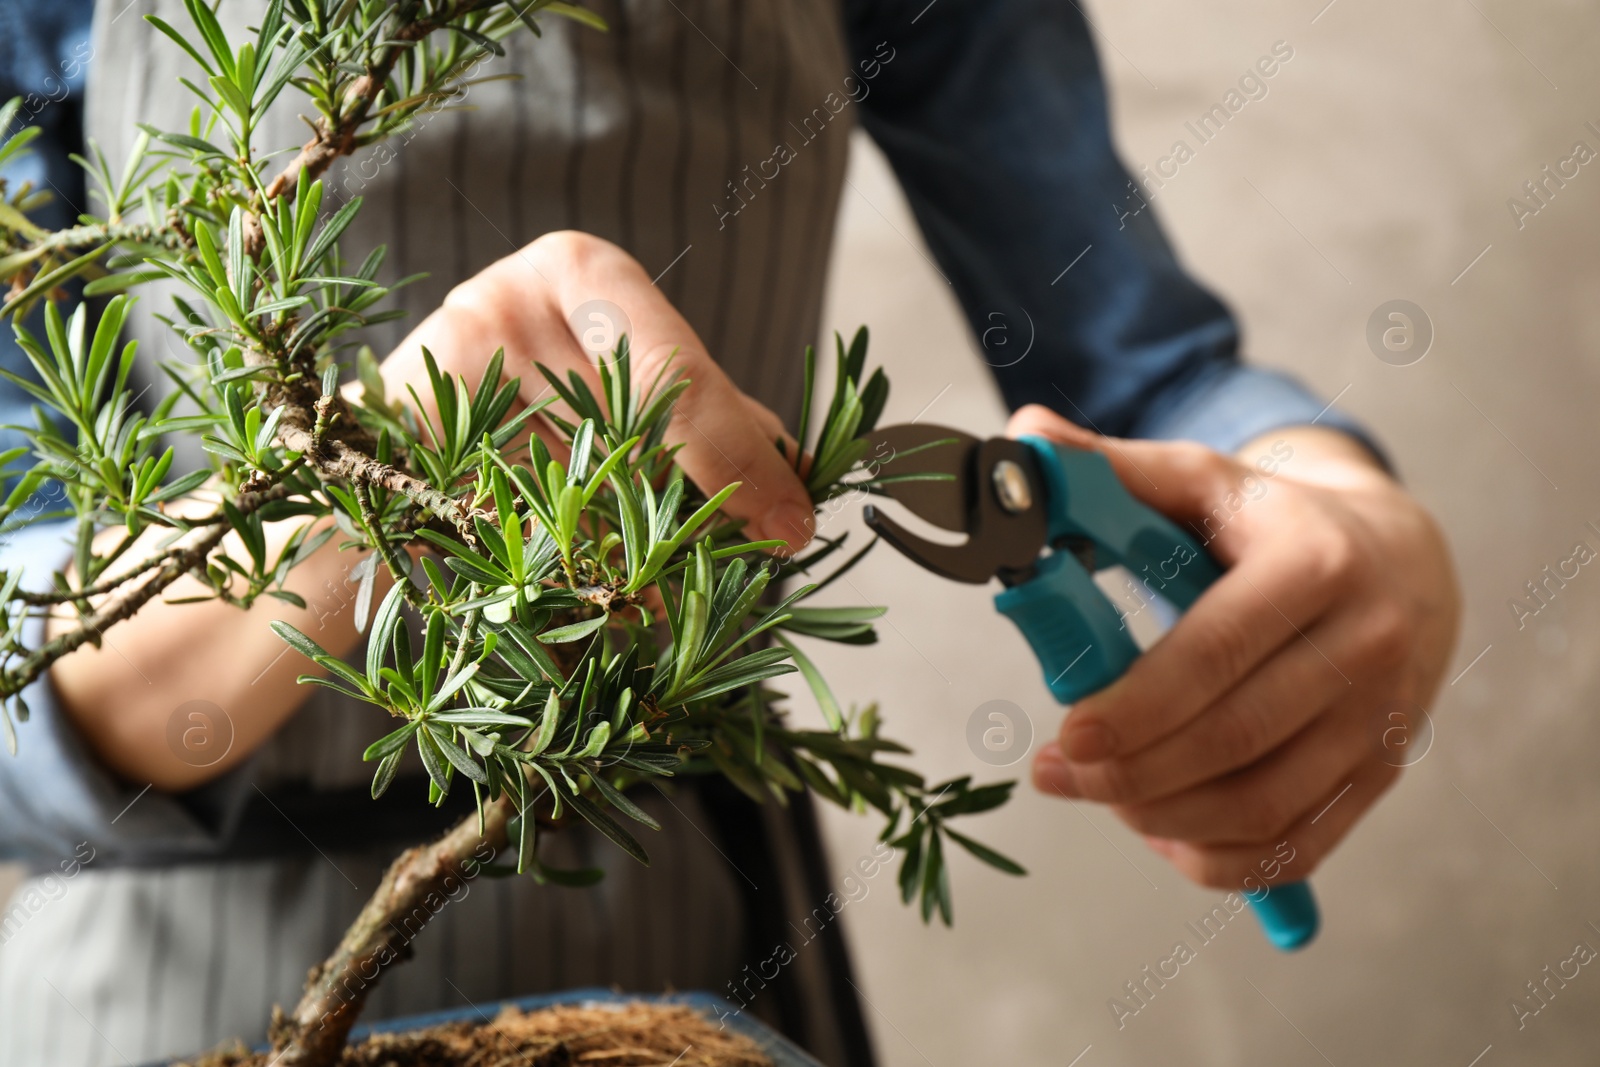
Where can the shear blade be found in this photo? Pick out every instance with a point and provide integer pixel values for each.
(1001, 541)
(960, 563)
(916, 449)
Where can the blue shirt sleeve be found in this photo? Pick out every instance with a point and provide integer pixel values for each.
(54, 793)
(993, 115)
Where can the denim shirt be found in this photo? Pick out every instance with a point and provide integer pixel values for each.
(993, 115)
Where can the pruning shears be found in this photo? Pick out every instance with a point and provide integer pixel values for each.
(1043, 518)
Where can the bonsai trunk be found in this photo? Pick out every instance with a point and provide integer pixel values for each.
(414, 889)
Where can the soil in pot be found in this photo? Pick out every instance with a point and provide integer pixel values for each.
(629, 1034)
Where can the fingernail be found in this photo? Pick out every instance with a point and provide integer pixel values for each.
(1086, 742)
(1052, 774)
(1160, 845)
(789, 523)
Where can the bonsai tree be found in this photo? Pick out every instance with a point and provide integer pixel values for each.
(588, 625)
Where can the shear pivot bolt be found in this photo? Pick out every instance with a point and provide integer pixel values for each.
(1011, 486)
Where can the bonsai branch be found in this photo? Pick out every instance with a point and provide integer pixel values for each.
(75, 239)
(391, 557)
(100, 588)
(175, 563)
(337, 134)
(334, 458)
(414, 889)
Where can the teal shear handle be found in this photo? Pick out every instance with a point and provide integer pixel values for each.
(1080, 640)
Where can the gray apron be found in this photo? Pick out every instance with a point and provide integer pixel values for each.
(635, 136)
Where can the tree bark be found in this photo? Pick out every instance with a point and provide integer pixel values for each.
(416, 887)
(333, 458)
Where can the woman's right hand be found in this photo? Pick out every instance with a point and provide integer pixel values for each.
(527, 303)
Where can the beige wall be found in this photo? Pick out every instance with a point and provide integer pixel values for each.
(1390, 142)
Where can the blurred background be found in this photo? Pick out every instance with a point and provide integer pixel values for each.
(1377, 167)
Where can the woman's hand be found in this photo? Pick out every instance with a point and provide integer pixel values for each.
(1257, 719)
(526, 302)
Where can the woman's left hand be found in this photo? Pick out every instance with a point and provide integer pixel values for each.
(1263, 716)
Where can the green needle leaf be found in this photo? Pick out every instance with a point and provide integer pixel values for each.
(597, 818)
(818, 684)
(574, 632)
(985, 853)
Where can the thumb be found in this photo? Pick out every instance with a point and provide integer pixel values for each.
(722, 440)
(1181, 479)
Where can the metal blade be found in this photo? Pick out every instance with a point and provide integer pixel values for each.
(918, 448)
(1005, 531)
(960, 563)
